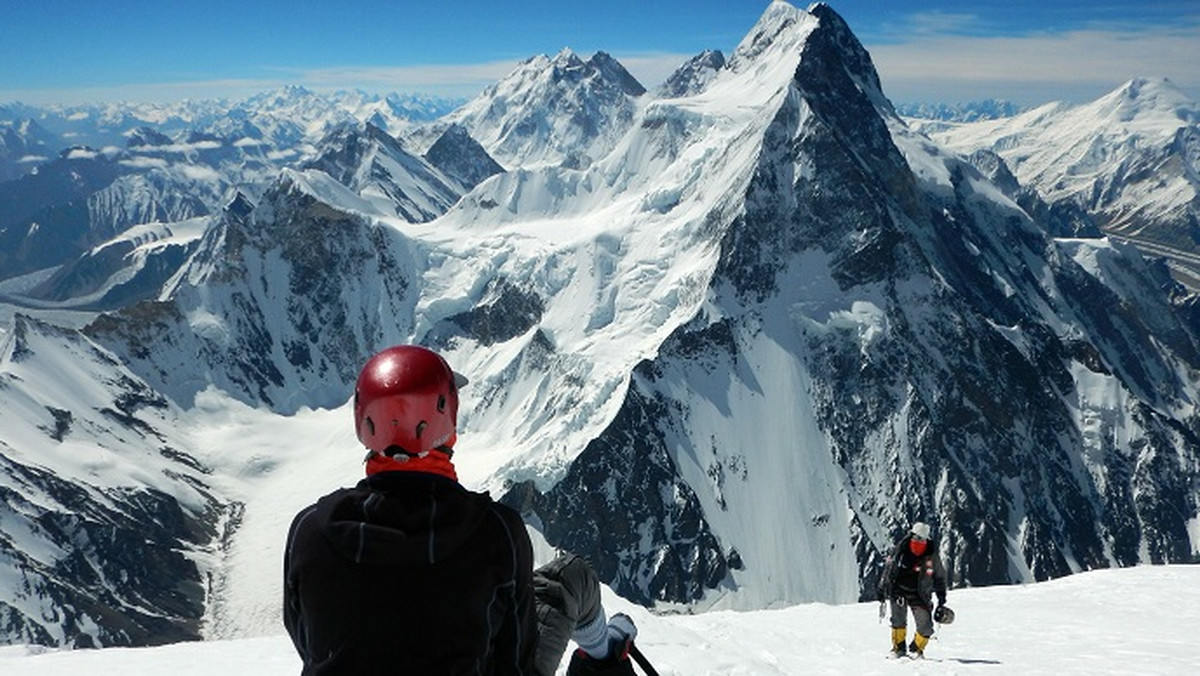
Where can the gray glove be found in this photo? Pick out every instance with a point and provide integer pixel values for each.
(569, 584)
(567, 595)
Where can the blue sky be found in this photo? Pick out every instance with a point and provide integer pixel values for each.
(1028, 51)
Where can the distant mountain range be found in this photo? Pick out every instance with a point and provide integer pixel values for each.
(1130, 160)
(974, 111)
(727, 338)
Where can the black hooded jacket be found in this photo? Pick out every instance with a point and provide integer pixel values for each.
(409, 573)
(914, 578)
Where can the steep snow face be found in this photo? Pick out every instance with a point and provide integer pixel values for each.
(105, 515)
(607, 261)
(1130, 157)
(279, 304)
(374, 165)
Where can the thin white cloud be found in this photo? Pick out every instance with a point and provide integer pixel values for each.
(153, 92)
(443, 80)
(652, 69)
(1081, 65)
(440, 77)
(932, 22)
(145, 163)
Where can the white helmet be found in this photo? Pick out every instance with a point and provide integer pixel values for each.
(921, 530)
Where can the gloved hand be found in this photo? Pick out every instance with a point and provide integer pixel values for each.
(577, 593)
(567, 601)
(621, 632)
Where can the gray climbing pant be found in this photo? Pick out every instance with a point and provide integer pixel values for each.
(922, 614)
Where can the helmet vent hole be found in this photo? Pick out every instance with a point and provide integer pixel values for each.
(441, 405)
(420, 428)
(371, 427)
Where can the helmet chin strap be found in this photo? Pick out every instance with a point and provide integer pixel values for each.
(393, 451)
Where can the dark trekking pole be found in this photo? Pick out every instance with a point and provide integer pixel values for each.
(642, 661)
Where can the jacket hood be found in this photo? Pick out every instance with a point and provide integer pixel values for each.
(401, 517)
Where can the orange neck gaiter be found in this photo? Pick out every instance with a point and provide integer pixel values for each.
(433, 462)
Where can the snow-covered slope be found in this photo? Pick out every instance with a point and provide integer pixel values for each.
(1060, 628)
(107, 520)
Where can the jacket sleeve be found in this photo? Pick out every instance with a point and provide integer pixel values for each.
(516, 642)
(293, 618)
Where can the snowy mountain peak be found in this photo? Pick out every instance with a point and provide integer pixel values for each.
(1108, 157)
(547, 110)
(239, 206)
(694, 75)
(836, 33)
(375, 166)
(783, 33)
(145, 136)
(1148, 97)
(611, 70)
(566, 58)
(772, 27)
(284, 96)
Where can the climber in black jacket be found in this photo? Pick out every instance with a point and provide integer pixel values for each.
(410, 572)
(912, 575)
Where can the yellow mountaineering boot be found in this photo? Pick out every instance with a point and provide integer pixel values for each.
(898, 635)
(918, 646)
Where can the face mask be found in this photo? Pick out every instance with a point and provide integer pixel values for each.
(917, 547)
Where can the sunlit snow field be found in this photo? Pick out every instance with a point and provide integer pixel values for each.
(1132, 621)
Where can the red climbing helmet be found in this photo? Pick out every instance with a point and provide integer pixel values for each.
(406, 401)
